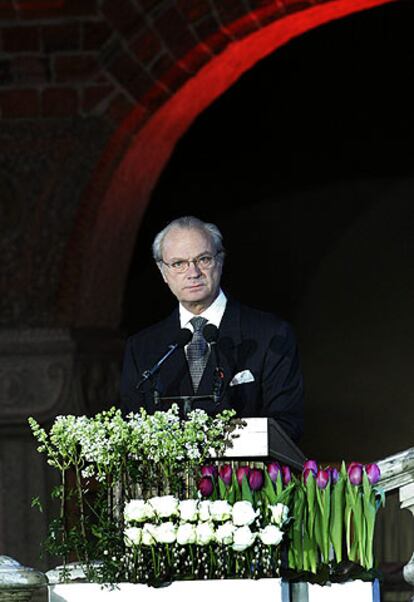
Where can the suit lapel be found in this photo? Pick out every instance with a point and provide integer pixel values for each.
(174, 378)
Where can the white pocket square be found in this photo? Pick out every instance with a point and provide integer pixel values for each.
(242, 377)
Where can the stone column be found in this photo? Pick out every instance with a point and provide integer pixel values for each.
(397, 474)
(44, 373)
(406, 494)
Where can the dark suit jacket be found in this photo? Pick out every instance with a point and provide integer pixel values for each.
(248, 340)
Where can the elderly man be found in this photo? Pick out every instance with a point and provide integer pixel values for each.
(254, 365)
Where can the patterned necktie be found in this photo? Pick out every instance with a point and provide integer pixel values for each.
(197, 352)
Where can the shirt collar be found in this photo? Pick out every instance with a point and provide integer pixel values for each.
(213, 314)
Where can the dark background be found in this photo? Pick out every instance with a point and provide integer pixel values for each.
(292, 141)
(306, 165)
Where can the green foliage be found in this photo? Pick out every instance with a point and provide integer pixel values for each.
(333, 525)
(107, 459)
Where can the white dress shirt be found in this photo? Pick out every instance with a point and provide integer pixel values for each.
(213, 314)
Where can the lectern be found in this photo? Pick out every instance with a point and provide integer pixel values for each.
(263, 439)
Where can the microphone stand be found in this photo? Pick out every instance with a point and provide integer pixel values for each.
(218, 375)
(150, 373)
(183, 337)
(188, 400)
(211, 333)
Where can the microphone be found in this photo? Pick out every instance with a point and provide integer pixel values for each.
(211, 333)
(184, 336)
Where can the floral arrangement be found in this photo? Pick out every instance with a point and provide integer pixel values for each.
(201, 539)
(233, 528)
(138, 502)
(107, 460)
(334, 514)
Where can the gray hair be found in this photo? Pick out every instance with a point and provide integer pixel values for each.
(188, 222)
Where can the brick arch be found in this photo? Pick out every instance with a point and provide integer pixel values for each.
(99, 251)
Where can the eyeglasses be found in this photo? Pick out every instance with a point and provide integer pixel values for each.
(204, 262)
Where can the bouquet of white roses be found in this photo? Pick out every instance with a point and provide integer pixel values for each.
(169, 539)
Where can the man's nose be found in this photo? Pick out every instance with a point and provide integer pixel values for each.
(193, 269)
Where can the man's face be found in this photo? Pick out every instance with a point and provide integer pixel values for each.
(197, 287)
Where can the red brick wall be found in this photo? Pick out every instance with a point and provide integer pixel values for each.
(118, 63)
(102, 57)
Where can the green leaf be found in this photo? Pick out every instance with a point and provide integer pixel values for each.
(310, 489)
(96, 531)
(369, 508)
(279, 483)
(268, 489)
(286, 494)
(296, 530)
(337, 515)
(214, 495)
(36, 503)
(231, 495)
(57, 492)
(222, 489)
(247, 495)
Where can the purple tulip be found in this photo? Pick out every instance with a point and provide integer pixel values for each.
(205, 486)
(322, 479)
(311, 465)
(355, 473)
(286, 475)
(373, 473)
(226, 473)
(256, 479)
(240, 472)
(209, 471)
(306, 473)
(352, 464)
(333, 473)
(273, 469)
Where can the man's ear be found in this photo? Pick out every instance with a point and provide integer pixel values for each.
(160, 267)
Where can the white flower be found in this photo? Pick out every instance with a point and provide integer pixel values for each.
(133, 536)
(148, 534)
(188, 510)
(165, 533)
(138, 510)
(224, 533)
(279, 513)
(164, 506)
(204, 510)
(220, 510)
(271, 535)
(186, 533)
(243, 538)
(204, 533)
(243, 513)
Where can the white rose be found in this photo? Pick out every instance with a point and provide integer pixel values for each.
(164, 506)
(243, 513)
(133, 536)
(186, 533)
(204, 533)
(224, 533)
(243, 538)
(271, 535)
(220, 510)
(147, 534)
(165, 533)
(279, 513)
(137, 510)
(204, 510)
(188, 510)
